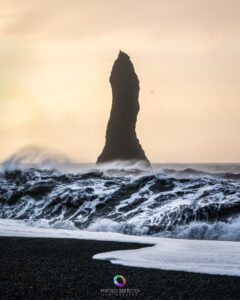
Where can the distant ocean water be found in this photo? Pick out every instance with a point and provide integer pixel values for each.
(197, 201)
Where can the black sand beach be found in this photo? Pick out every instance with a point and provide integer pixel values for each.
(41, 268)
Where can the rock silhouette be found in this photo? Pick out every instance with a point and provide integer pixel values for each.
(121, 139)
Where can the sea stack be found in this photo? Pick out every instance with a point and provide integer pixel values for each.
(121, 140)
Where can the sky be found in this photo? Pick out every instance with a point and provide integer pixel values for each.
(55, 61)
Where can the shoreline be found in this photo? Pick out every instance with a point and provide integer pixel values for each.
(33, 268)
(184, 255)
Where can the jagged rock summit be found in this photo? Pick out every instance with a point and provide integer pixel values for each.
(121, 139)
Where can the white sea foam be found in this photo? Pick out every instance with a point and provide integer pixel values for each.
(210, 231)
(209, 257)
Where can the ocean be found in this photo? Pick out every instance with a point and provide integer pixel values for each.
(186, 201)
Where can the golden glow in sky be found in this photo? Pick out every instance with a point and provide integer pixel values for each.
(55, 62)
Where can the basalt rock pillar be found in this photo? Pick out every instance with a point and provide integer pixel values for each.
(121, 139)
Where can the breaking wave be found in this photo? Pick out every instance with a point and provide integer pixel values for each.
(165, 201)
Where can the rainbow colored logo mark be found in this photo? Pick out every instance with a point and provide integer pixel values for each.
(119, 281)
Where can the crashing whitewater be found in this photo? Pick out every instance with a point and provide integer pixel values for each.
(193, 203)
